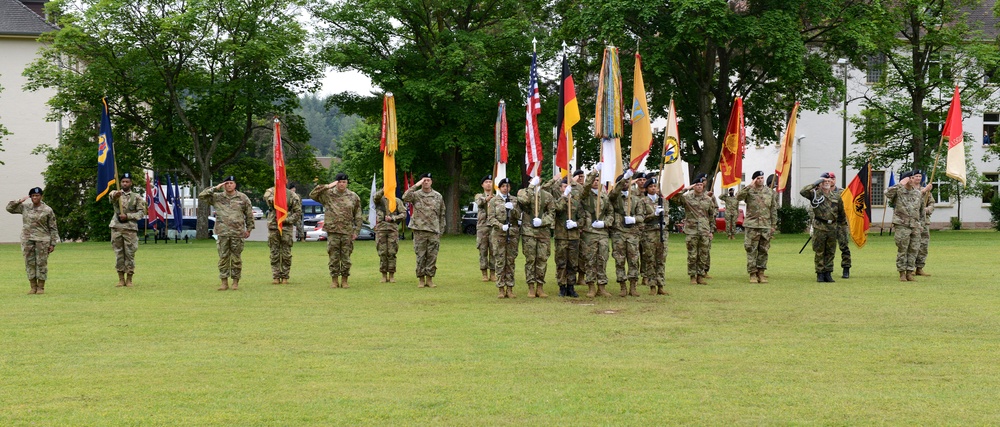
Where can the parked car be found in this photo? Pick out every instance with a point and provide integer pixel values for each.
(311, 209)
(319, 235)
(469, 220)
(258, 213)
(314, 223)
(720, 221)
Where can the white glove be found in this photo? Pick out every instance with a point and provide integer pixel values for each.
(569, 189)
(629, 220)
(624, 193)
(537, 222)
(509, 205)
(519, 222)
(597, 167)
(597, 224)
(535, 181)
(658, 211)
(570, 224)
(628, 174)
(505, 227)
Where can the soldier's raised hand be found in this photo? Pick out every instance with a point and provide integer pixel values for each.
(567, 191)
(22, 200)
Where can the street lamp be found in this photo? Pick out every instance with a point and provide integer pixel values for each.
(842, 62)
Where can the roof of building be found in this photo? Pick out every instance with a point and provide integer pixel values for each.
(17, 20)
(982, 14)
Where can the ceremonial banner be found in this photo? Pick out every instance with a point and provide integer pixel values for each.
(731, 159)
(280, 181)
(952, 132)
(567, 116)
(857, 200)
(107, 169)
(642, 133)
(673, 176)
(784, 165)
(608, 125)
(532, 138)
(500, 139)
(389, 146)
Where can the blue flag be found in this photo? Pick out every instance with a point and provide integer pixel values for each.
(892, 178)
(178, 212)
(107, 170)
(170, 197)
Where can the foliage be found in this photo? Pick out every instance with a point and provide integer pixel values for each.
(792, 219)
(326, 124)
(995, 212)
(956, 223)
(189, 85)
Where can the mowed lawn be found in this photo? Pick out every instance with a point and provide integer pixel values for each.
(174, 351)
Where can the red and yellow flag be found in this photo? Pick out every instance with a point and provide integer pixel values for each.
(280, 181)
(784, 165)
(567, 116)
(731, 159)
(388, 146)
(642, 133)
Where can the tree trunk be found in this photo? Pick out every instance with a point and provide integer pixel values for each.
(453, 217)
(203, 208)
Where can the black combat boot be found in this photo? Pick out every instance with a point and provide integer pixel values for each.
(571, 291)
(820, 277)
(562, 290)
(829, 276)
(847, 273)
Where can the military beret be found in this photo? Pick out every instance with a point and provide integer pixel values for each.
(486, 178)
(619, 178)
(756, 174)
(291, 185)
(127, 176)
(649, 182)
(36, 190)
(230, 178)
(699, 178)
(905, 175)
(917, 172)
(564, 181)
(502, 182)
(426, 175)
(578, 172)
(770, 180)
(341, 177)
(650, 175)
(829, 175)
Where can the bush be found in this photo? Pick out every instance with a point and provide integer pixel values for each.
(956, 223)
(995, 212)
(792, 219)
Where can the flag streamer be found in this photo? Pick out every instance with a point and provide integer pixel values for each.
(608, 121)
(389, 146)
(500, 132)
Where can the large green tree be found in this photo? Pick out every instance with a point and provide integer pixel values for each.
(190, 83)
(448, 63)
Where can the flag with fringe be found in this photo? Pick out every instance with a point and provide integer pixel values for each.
(608, 118)
(500, 139)
(673, 175)
(857, 200)
(280, 180)
(389, 146)
(731, 158)
(784, 165)
(955, 163)
(642, 133)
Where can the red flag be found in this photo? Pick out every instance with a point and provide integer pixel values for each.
(280, 181)
(533, 138)
(731, 159)
(955, 165)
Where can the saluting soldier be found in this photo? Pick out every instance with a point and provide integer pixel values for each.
(537, 216)
(925, 236)
(129, 207)
(907, 218)
(568, 217)
(843, 232)
(427, 223)
(387, 233)
(600, 216)
(504, 218)
(654, 239)
(280, 241)
(699, 224)
(760, 222)
(626, 232)
(483, 228)
(233, 223)
(38, 236)
(342, 221)
(732, 212)
(827, 210)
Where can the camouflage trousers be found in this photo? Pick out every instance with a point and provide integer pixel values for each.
(230, 256)
(124, 243)
(757, 243)
(36, 258)
(654, 257)
(843, 240)
(280, 245)
(339, 247)
(907, 247)
(505, 255)
(595, 249)
(426, 245)
(536, 258)
(925, 239)
(699, 254)
(567, 261)
(625, 251)
(825, 246)
(731, 223)
(387, 244)
(486, 261)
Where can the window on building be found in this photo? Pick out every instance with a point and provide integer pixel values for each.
(875, 68)
(992, 183)
(940, 68)
(878, 188)
(991, 121)
(941, 191)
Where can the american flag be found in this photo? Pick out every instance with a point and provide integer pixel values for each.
(533, 142)
(160, 200)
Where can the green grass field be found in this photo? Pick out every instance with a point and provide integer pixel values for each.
(174, 351)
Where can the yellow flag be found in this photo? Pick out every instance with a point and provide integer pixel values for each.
(642, 134)
(388, 147)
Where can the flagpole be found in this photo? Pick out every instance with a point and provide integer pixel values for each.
(121, 205)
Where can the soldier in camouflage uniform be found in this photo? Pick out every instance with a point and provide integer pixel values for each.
(595, 233)
(732, 212)
(280, 241)
(843, 232)
(387, 233)
(699, 224)
(827, 209)
(342, 222)
(626, 232)
(925, 236)
(129, 207)
(504, 214)
(38, 236)
(233, 223)
(907, 218)
(537, 215)
(568, 217)
(760, 223)
(486, 262)
(654, 239)
(427, 223)
(577, 182)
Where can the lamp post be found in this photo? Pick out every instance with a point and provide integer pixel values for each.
(843, 159)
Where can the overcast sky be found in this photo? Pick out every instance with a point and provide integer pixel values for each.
(348, 81)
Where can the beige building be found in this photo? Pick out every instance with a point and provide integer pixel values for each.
(21, 112)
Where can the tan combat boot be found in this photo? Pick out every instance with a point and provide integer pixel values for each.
(603, 291)
(34, 287)
(921, 272)
(701, 280)
(121, 279)
(422, 283)
(485, 277)
(275, 281)
(591, 290)
(753, 278)
(41, 287)
(510, 292)
(335, 283)
(343, 282)
(652, 290)
(902, 276)
(128, 280)
(430, 282)
(392, 277)
(624, 291)
(531, 290)
(761, 277)
(503, 293)
(236, 284)
(493, 275)
(631, 288)
(539, 293)
(910, 277)
(385, 278)
(224, 285)
(660, 291)
(694, 280)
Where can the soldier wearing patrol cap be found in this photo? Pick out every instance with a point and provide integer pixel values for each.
(843, 232)
(129, 208)
(907, 218)
(760, 223)
(699, 225)
(38, 236)
(486, 263)
(342, 221)
(505, 214)
(828, 211)
(233, 223)
(427, 223)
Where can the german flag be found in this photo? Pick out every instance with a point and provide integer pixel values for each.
(858, 205)
(567, 116)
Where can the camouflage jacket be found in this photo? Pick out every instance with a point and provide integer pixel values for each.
(382, 211)
(546, 211)
(341, 210)
(564, 207)
(732, 204)
(928, 210)
(627, 204)
(39, 221)
(499, 215)
(483, 210)
(134, 206)
(655, 224)
(699, 213)
(761, 212)
(907, 205)
(428, 209)
(589, 199)
(294, 204)
(827, 209)
(233, 213)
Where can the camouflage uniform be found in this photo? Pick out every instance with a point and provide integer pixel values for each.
(595, 241)
(699, 223)
(925, 235)
(625, 237)
(535, 240)
(233, 219)
(38, 235)
(342, 221)
(760, 222)
(843, 236)
(483, 228)
(504, 242)
(280, 243)
(427, 223)
(654, 241)
(732, 204)
(387, 232)
(124, 238)
(907, 219)
(827, 211)
(567, 252)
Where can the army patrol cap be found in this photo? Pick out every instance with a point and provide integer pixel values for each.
(699, 179)
(36, 190)
(486, 178)
(756, 174)
(127, 176)
(341, 177)
(229, 178)
(578, 172)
